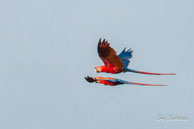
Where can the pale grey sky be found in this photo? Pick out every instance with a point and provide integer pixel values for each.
(48, 47)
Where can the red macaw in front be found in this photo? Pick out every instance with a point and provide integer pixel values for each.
(114, 81)
(117, 63)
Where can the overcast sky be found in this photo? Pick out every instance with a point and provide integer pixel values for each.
(48, 47)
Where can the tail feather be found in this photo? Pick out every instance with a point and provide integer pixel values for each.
(141, 72)
(135, 83)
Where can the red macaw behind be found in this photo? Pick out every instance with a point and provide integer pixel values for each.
(114, 82)
(117, 63)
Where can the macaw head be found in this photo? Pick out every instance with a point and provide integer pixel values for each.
(90, 79)
(99, 69)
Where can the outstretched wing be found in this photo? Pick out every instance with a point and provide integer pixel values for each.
(108, 55)
(125, 56)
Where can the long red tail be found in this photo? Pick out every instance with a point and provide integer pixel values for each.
(135, 71)
(135, 83)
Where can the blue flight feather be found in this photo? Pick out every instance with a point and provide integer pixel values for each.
(125, 56)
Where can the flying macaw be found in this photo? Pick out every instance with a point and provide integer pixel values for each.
(114, 82)
(117, 63)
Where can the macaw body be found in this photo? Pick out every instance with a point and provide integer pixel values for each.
(109, 69)
(117, 63)
(114, 81)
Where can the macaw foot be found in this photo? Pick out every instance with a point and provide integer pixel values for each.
(124, 71)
